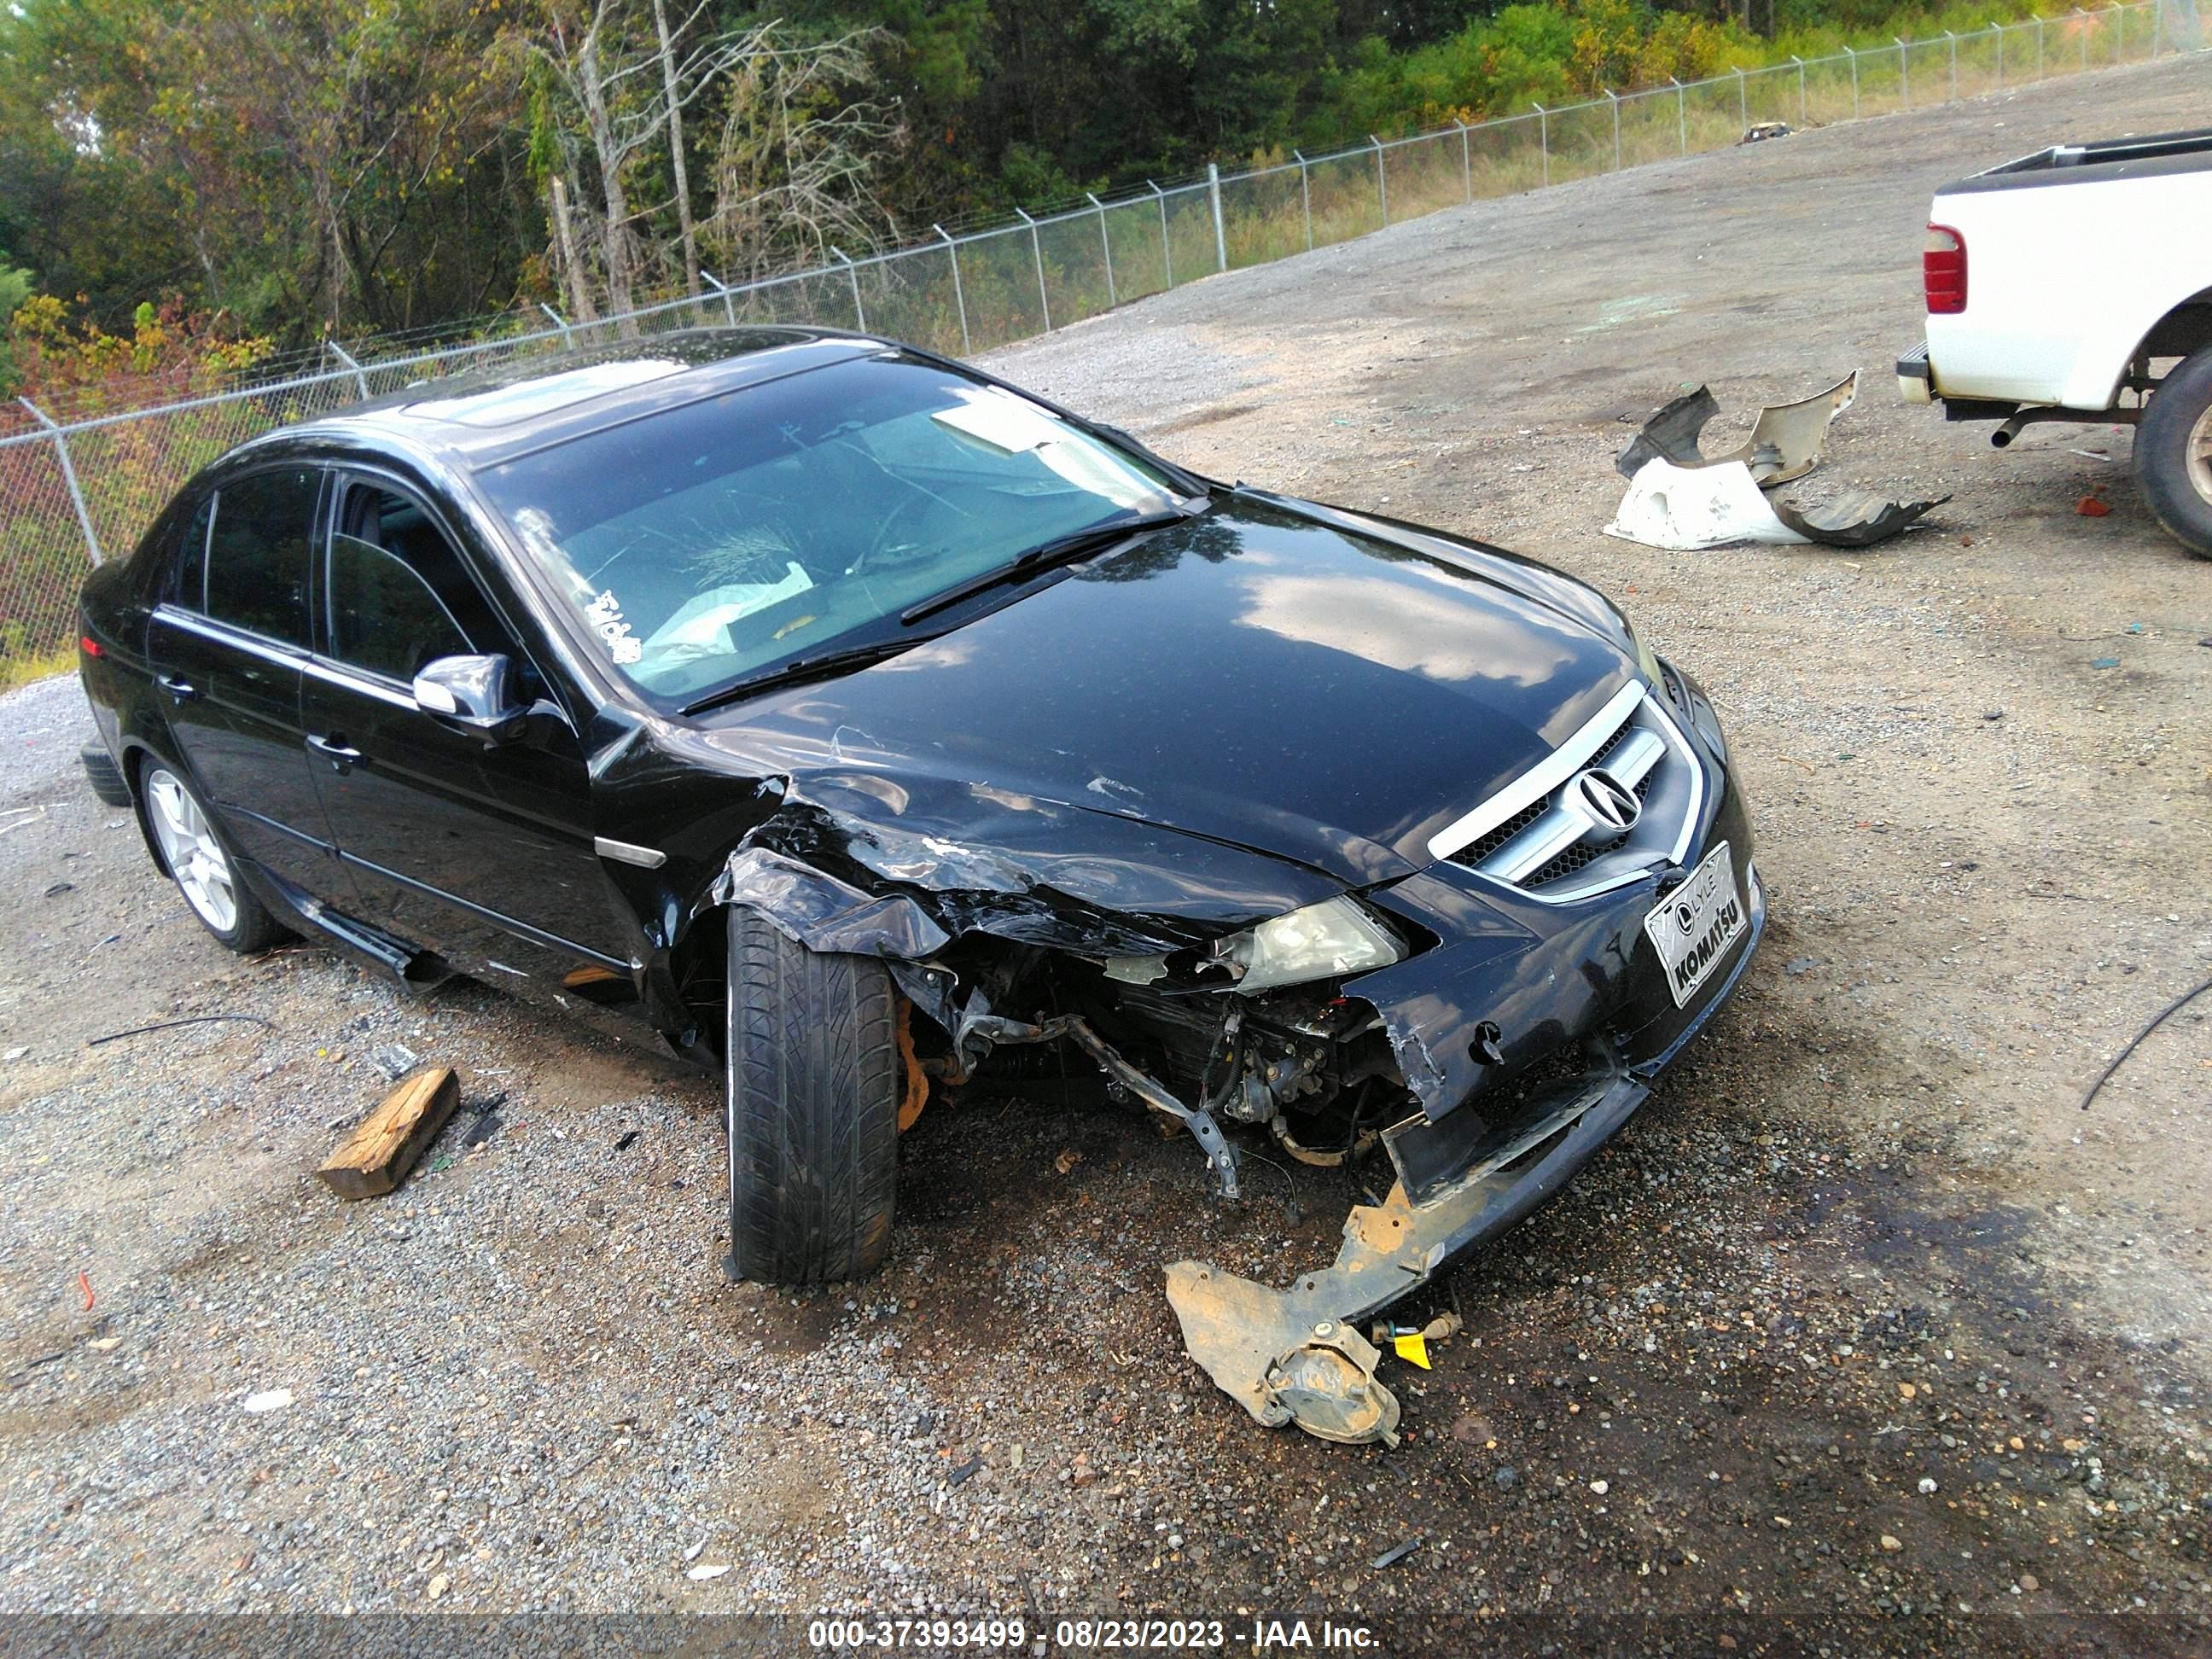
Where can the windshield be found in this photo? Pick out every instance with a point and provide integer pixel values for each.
(705, 543)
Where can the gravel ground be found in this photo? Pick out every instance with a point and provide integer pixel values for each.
(1862, 1335)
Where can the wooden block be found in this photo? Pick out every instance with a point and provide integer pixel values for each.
(377, 1156)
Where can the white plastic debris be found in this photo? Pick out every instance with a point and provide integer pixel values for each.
(702, 1573)
(1684, 507)
(269, 1399)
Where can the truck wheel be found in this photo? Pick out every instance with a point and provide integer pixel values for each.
(2173, 454)
(198, 859)
(815, 1079)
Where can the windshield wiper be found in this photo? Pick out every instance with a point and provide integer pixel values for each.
(1059, 550)
(808, 668)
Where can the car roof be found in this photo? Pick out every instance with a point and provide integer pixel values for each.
(528, 403)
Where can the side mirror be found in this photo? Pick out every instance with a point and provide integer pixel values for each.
(470, 694)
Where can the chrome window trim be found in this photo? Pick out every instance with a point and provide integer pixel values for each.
(217, 631)
(347, 677)
(1547, 774)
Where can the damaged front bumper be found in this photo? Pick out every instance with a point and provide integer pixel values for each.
(1295, 1355)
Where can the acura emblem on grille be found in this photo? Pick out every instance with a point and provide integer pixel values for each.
(1607, 800)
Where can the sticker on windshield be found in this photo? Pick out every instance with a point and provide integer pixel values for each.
(1008, 425)
(605, 614)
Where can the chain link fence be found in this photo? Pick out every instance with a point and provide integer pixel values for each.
(81, 482)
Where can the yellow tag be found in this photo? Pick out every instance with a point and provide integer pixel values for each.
(1414, 1347)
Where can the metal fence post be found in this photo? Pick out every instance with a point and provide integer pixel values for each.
(1465, 158)
(1681, 114)
(1999, 32)
(1800, 62)
(1954, 39)
(1220, 236)
(729, 306)
(68, 477)
(959, 295)
(2157, 24)
(1544, 137)
(852, 275)
(1610, 93)
(1382, 184)
(1167, 246)
(1854, 57)
(1742, 103)
(2082, 36)
(1037, 252)
(2120, 46)
(1904, 73)
(360, 380)
(568, 334)
(1107, 243)
(2038, 46)
(1306, 199)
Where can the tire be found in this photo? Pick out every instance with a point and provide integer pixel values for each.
(197, 856)
(2173, 454)
(814, 1084)
(105, 776)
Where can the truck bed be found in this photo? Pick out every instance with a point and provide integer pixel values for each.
(2102, 162)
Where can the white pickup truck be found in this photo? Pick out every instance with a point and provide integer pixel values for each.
(2076, 284)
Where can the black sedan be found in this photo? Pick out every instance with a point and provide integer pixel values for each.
(852, 723)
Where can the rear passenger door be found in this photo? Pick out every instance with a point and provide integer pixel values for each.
(228, 643)
(483, 851)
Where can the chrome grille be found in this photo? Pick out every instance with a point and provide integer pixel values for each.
(1555, 832)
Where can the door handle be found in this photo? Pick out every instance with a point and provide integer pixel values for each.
(176, 686)
(341, 755)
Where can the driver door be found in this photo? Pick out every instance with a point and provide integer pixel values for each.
(480, 850)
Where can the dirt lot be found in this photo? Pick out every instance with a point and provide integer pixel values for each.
(1861, 1334)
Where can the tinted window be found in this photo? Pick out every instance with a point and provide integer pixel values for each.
(399, 596)
(259, 557)
(187, 580)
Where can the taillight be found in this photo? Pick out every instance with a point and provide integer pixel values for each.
(1944, 270)
(89, 646)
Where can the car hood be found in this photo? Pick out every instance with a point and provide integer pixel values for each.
(1287, 679)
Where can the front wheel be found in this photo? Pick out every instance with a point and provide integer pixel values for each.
(2173, 454)
(815, 1079)
(201, 864)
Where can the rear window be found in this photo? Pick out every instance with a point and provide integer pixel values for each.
(259, 557)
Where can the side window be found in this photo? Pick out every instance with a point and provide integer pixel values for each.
(259, 557)
(185, 585)
(399, 596)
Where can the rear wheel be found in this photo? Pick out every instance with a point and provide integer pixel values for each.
(2173, 454)
(202, 866)
(815, 1081)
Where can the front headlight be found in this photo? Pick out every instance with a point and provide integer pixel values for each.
(1321, 941)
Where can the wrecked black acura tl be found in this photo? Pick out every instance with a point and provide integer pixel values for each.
(854, 722)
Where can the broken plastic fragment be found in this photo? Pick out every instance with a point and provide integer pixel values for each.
(1683, 508)
(1785, 444)
(1859, 518)
(1263, 1350)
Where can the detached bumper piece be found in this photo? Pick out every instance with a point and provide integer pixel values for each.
(1679, 498)
(1296, 1356)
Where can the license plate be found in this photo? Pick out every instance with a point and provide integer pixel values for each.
(1692, 927)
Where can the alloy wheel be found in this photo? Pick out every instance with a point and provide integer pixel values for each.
(194, 856)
